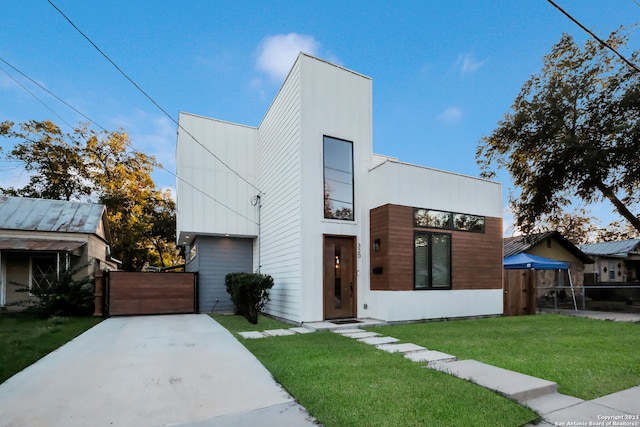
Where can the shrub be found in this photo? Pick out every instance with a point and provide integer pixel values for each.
(67, 296)
(249, 293)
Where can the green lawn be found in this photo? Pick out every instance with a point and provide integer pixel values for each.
(343, 382)
(587, 358)
(24, 340)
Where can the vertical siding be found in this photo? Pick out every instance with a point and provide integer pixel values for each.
(279, 176)
(215, 257)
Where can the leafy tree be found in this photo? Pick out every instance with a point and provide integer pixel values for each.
(616, 231)
(573, 134)
(577, 226)
(100, 167)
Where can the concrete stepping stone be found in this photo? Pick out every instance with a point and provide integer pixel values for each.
(362, 334)
(251, 334)
(378, 340)
(347, 331)
(551, 402)
(400, 348)
(278, 332)
(301, 330)
(514, 385)
(429, 356)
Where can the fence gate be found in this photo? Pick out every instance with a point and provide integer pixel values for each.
(131, 293)
(519, 292)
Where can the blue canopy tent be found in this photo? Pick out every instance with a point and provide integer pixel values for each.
(528, 261)
(533, 262)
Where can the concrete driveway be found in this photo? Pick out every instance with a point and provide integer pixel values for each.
(179, 370)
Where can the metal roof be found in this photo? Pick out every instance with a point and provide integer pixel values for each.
(18, 244)
(617, 249)
(519, 244)
(22, 213)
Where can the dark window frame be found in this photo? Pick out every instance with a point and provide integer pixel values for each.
(429, 235)
(324, 181)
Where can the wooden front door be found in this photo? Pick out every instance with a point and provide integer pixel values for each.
(339, 277)
(519, 292)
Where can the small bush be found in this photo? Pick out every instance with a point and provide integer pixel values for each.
(249, 293)
(67, 296)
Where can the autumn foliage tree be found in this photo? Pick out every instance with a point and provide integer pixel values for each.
(89, 166)
(573, 134)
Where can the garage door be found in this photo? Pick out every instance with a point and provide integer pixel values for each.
(132, 293)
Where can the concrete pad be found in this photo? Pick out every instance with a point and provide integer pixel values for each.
(251, 334)
(551, 402)
(302, 330)
(589, 413)
(379, 340)
(362, 334)
(514, 385)
(400, 348)
(625, 400)
(283, 415)
(278, 332)
(429, 356)
(328, 325)
(141, 371)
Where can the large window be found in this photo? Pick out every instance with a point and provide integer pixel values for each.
(338, 179)
(432, 260)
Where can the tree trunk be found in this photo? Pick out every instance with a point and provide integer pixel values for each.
(620, 207)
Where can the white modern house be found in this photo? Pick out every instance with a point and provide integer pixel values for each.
(343, 232)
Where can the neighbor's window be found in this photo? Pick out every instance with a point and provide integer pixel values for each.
(44, 271)
(338, 179)
(432, 261)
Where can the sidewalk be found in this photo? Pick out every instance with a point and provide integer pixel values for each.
(600, 315)
(174, 370)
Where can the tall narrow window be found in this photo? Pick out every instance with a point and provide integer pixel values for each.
(338, 179)
(432, 261)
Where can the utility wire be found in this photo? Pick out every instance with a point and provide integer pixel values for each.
(149, 97)
(602, 42)
(87, 117)
(34, 95)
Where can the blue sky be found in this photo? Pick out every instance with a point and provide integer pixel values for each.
(444, 73)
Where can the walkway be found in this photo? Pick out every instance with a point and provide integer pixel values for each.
(556, 409)
(176, 370)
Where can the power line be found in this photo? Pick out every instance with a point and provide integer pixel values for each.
(602, 42)
(50, 93)
(149, 97)
(92, 121)
(32, 94)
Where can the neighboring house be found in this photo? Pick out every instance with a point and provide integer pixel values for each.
(343, 232)
(551, 245)
(39, 238)
(615, 262)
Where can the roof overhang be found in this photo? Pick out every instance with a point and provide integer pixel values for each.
(49, 245)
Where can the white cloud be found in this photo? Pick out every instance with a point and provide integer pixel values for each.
(468, 63)
(276, 54)
(450, 116)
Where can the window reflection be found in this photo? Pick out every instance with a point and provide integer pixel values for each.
(338, 179)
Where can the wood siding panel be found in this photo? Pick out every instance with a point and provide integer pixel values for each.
(476, 258)
(134, 293)
(280, 180)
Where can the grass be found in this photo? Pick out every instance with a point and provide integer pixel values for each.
(24, 340)
(237, 324)
(343, 382)
(587, 358)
